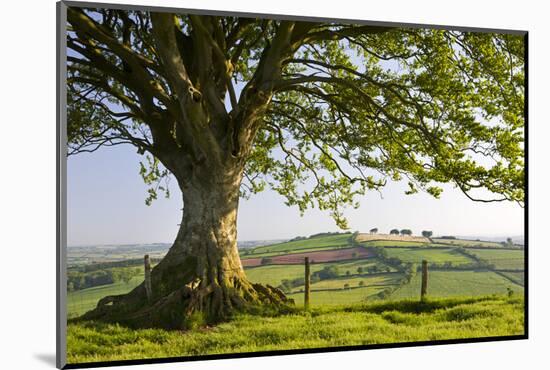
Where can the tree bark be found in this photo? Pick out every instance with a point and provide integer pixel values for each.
(201, 278)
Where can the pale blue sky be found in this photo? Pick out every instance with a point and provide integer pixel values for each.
(106, 206)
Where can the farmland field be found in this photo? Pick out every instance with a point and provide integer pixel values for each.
(80, 301)
(517, 277)
(458, 283)
(273, 274)
(468, 243)
(354, 281)
(315, 242)
(247, 254)
(319, 256)
(328, 251)
(400, 243)
(502, 259)
(432, 255)
(392, 238)
(336, 297)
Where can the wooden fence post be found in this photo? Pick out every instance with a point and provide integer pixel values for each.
(306, 283)
(424, 289)
(148, 287)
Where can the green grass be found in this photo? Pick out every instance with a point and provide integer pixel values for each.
(432, 255)
(278, 253)
(353, 281)
(81, 301)
(317, 242)
(457, 283)
(329, 298)
(399, 243)
(274, 274)
(468, 243)
(502, 259)
(516, 277)
(361, 324)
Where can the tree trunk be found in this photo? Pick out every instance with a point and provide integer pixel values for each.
(201, 279)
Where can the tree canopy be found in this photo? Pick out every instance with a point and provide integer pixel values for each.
(320, 112)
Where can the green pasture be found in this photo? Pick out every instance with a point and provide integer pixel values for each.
(432, 255)
(458, 283)
(505, 259)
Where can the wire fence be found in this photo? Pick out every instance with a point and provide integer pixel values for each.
(348, 282)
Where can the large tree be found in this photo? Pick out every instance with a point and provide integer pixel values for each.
(320, 112)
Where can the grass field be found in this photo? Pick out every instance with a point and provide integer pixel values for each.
(432, 255)
(394, 238)
(336, 297)
(316, 242)
(247, 255)
(468, 243)
(393, 322)
(353, 281)
(517, 277)
(274, 274)
(81, 301)
(458, 283)
(400, 243)
(502, 259)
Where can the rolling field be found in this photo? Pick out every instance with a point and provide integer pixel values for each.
(354, 281)
(81, 301)
(458, 283)
(392, 238)
(247, 255)
(502, 259)
(432, 255)
(316, 242)
(319, 256)
(273, 274)
(400, 243)
(468, 243)
(516, 277)
(336, 297)
(360, 324)
(328, 251)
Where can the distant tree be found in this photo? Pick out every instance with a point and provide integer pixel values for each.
(406, 232)
(374, 230)
(359, 270)
(265, 260)
(509, 242)
(427, 234)
(361, 283)
(346, 286)
(448, 237)
(347, 272)
(394, 232)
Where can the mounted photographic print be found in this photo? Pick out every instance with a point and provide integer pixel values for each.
(237, 184)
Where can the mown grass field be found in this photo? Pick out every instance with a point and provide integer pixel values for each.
(400, 243)
(315, 242)
(468, 243)
(458, 283)
(502, 259)
(354, 281)
(274, 274)
(359, 324)
(81, 301)
(251, 254)
(432, 255)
